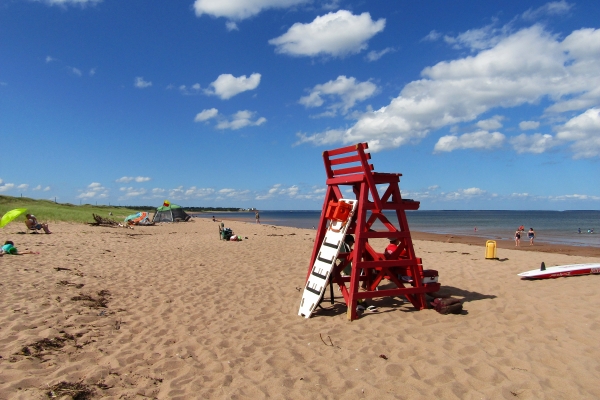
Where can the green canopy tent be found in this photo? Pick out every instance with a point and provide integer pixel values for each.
(170, 213)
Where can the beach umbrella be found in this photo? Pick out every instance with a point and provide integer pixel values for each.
(10, 215)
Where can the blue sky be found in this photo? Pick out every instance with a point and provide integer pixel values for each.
(230, 103)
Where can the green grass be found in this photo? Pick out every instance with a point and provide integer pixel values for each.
(46, 210)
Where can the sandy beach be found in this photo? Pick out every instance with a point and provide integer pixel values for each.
(172, 312)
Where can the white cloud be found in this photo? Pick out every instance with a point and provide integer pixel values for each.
(376, 55)
(521, 68)
(490, 124)
(206, 114)
(23, 186)
(47, 188)
(584, 131)
(293, 191)
(464, 194)
(181, 193)
(233, 194)
(81, 3)
(476, 140)
(194, 89)
(479, 39)
(583, 197)
(140, 83)
(130, 192)
(551, 8)
(347, 90)
(240, 120)
(75, 71)
(240, 9)
(227, 85)
(92, 72)
(6, 186)
(432, 36)
(334, 34)
(536, 143)
(94, 190)
(231, 26)
(50, 59)
(127, 179)
(528, 125)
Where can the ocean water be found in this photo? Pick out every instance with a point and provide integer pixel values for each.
(559, 227)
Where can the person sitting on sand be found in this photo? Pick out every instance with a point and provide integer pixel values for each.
(9, 248)
(32, 223)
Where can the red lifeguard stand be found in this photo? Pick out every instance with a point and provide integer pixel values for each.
(349, 166)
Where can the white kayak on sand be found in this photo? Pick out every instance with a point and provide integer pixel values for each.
(561, 271)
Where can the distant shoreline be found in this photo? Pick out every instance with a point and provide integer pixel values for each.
(586, 251)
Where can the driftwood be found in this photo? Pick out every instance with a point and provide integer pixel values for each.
(100, 221)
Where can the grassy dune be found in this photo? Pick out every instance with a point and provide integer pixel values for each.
(46, 210)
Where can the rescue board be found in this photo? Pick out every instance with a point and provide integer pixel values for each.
(561, 271)
(328, 252)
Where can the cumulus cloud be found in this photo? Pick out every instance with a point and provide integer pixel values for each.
(294, 191)
(345, 92)
(127, 179)
(226, 86)
(206, 114)
(536, 143)
(140, 83)
(491, 123)
(476, 140)
(584, 131)
(520, 68)
(240, 9)
(334, 34)
(463, 194)
(94, 190)
(528, 125)
(129, 192)
(240, 120)
(6, 186)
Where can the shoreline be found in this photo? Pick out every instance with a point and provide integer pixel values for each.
(553, 248)
(585, 251)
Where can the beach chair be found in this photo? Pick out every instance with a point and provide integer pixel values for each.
(30, 229)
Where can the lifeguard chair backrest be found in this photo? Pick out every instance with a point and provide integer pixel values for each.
(349, 162)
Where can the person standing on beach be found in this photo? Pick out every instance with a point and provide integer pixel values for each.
(257, 216)
(518, 238)
(531, 236)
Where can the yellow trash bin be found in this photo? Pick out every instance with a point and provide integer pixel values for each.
(490, 250)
